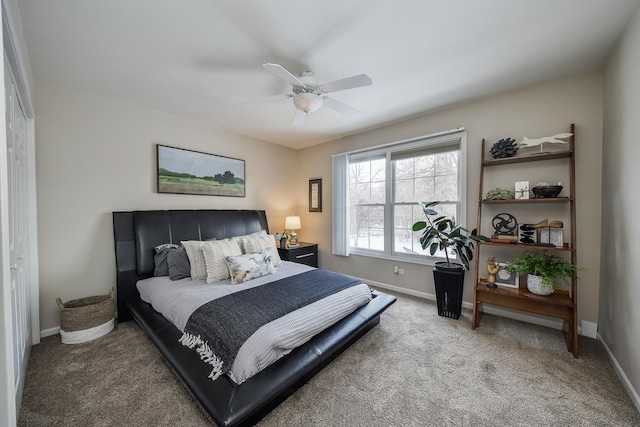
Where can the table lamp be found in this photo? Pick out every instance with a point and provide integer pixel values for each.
(293, 223)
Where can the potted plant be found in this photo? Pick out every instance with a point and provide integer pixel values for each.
(442, 233)
(542, 268)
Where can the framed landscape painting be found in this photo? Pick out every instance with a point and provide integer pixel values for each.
(183, 171)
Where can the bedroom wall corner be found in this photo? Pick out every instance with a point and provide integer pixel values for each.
(619, 322)
(96, 155)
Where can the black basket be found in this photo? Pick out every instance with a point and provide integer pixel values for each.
(449, 286)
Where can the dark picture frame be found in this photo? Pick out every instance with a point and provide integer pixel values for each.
(315, 195)
(506, 278)
(181, 171)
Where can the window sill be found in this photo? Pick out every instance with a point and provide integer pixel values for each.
(397, 258)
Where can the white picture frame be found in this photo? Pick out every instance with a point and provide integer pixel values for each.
(522, 190)
(553, 236)
(505, 278)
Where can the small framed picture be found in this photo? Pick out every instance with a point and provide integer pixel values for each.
(522, 190)
(315, 195)
(505, 278)
(553, 236)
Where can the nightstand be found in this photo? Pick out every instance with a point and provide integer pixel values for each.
(307, 254)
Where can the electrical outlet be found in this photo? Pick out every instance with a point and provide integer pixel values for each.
(401, 271)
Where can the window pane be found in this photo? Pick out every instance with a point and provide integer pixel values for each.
(376, 239)
(378, 170)
(447, 163)
(425, 165)
(404, 240)
(367, 227)
(377, 192)
(404, 190)
(446, 187)
(367, 181)
(363, 192)
(404, 168)
(425, 189)
(376, 216)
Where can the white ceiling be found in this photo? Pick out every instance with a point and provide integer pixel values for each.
(199, 59)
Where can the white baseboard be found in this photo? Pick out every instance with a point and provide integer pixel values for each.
(586, 328)
(48, 332)
(633, 394)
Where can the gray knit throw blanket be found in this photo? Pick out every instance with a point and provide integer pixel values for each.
(218, 328)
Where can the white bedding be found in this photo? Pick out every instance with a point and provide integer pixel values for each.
(177, 300)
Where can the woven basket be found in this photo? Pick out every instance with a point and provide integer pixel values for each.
(86, 319)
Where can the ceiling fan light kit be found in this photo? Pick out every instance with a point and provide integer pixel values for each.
(308, 96)
(307, 102)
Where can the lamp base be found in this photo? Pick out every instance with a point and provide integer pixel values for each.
(293, 240)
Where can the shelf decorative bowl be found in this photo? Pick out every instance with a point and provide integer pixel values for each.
(547, 191)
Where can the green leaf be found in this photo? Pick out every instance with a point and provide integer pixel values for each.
(429, 204)
(420, 225)
(433, 248)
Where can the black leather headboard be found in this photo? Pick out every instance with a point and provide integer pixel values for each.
(136, 233)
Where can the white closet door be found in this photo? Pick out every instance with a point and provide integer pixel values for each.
(18, 237)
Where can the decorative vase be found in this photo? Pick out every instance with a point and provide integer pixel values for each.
(535, 285)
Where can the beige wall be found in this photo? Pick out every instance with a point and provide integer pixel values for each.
(534, 112)
(95, 156)
(620, 293)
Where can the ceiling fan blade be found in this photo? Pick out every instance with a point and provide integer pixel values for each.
(267, 99)
(349, 83)
(280, 71)
(340, 107)
(299, 118)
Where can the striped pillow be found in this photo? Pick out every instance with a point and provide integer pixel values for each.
(196, 260)
(255, 245)
(215, 253)
(239, 239)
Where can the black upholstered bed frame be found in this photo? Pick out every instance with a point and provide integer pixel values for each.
(138, 232)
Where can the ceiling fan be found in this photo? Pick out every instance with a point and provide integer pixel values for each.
(308, 96)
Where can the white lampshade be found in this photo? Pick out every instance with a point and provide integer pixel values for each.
(292, 223)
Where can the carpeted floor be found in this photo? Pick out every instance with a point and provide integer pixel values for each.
(414, 369)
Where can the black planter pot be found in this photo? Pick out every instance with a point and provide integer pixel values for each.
(449, 283)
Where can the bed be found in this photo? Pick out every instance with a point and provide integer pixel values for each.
(137, 233)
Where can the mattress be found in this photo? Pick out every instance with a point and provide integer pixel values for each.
(177, 300)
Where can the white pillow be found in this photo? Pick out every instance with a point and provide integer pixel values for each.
(196, 260)
(239, 239)
(249, 266)
(214, 253)
(257, 244)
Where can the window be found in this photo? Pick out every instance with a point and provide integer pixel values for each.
(382, 190)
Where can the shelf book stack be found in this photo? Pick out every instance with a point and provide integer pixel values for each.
(504, 238)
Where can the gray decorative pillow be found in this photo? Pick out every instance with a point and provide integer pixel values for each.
(249, 266)
(160, 259)
(178, 263)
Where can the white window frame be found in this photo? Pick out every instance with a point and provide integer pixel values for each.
(440, 139)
